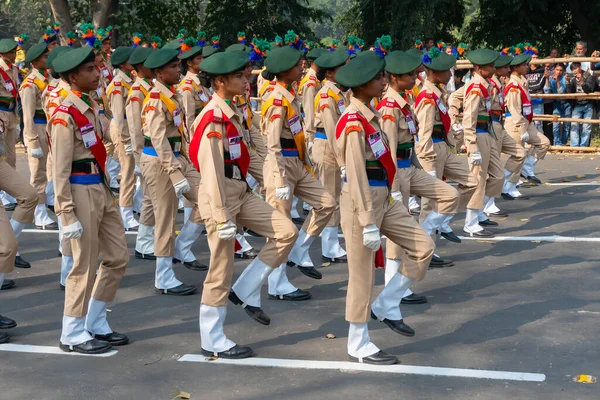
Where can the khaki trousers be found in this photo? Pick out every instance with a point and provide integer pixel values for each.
(539, 143)
(37, 166)
(10, 136)
(328, 172)
(17, 186)
(399, 227)
(255, 169)
(248, 210)
(304, 186)
(508, 145)
(165, 203)
(414, 181)
(489, 175)
(448, 165)
(127, 189)
(103, 238)
(8, 243)
(147, 211)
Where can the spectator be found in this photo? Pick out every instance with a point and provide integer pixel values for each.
(535, 80)
(580, 51)
(429, 44)
(553, 53)
(581, 82)
(557, 84)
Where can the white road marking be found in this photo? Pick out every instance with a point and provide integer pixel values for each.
(391, 369)
(27, 348)
(594, 183)
(56, 231)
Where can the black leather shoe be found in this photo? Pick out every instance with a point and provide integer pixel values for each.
(397, 326)
(500, 213)
(49, 207)
(305, 212)
(235, 353)
(298, 221)
(414, 298)
(252, 233)
(8, 284)
(481, 234)
(143, 256)
(134, 229)
(114, 338)
(521, 198)
(507, 196)
(298, 295)
(439, 262)
(180, 211)
(4, 338)
(7, 323)
(534, 180)
(21, 263)
(181, 290)
(488, 222)
(50, 227)
(192, 265)
(256, 313)
(379, 358)
(451, 236)
(10, 207)
(246, 255)
(62, 287)
(311, 272)
(92, 346)
(336, 260)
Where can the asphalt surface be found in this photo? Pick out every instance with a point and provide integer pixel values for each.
(518, 306)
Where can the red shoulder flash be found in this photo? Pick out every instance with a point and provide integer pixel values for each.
(217, 119)
(30, 80)
(390, 104)
(351, 116)
(135, 88)
(54, 94)
(429, 95)
(324, 95)
(312, 78)
(63, 108)
(188, 81)
(117, 83)
(155, 95)
(277, 102)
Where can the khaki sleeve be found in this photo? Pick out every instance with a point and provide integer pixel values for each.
(455, 103)
(186, 99)
(63, 142)
(28, 94)
(155, 127)
(212, 168)
(133, 111)
(308, 106)
(273, 122)
(515, 108)
(329, 116)
(470, 112)
(117, 108)
(389, 124)
(356, 173)
(424, 147)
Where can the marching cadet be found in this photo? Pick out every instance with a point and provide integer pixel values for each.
(329, 104)
(90, 218)
(50, 36)
(368, 210)
(286, 173)
(220, 154)
(104, 36)
(519, 117)
(168, 172)
(481, 141)
(116, 96)
(144, 244)
(34, 130)
(192, 95)
(400, 124)
(307, 91)
(506, 143)
(434, 147)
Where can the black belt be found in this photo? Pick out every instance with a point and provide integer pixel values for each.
(482, 125)
(148, 143)
(376, 174)
(85, 167)
(287, 143)
(438, 135)
(232, 171)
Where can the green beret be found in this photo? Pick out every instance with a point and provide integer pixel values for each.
(173, 44)
(160, 58)
(398, 63)
(482, 56)
(442, 62)
(224, 63)
(121, 55)
(7, 45)
(208, 51)
(139, 55)
(415, 52)
(55, 53)
(360, 70)
(238, 47)
(503, 61)
(282, 59)
(35, 52)
(316, 53)
(332, 59)
(75, 58)
(191, 53)
(520, 59)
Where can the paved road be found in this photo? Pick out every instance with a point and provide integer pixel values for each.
(517, 306)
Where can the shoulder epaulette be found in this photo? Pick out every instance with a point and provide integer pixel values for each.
(155, 95)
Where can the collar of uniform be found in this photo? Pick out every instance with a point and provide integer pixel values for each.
(286, 93)
(141, 82)
(497, 81)
(4, 65)
(394, 95)
(364, 110)
(192, 76)
(431, 87)
(123, 77)
(36, 74)
(77, 102)
(520, 80)
(311, 72)
(64, 85)
(479, 79)
(226, 108)
(332, 86)
(163, 89)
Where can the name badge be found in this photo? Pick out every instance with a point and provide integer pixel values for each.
(500, 98)
(203, 97)
(295, 125)
(341, 105)
(247, 135)
(176, 147)
(176, 117)
(9, 86)
(88, 136)
(235, 147)
(412, 127)
(377, 146)
(527, 109)
(488, 104)
(105, 72)
(245, 111)
(99, 92)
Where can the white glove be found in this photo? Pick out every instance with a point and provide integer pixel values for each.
(525, 136)
(397, 196)
(371, 237)
(476, 158)
(36, 153)
(137, 171)
(182, 187)
(432, 173)
(343, 173)
(283, 193)
(73, 231)
(227, 230)
(128, 150)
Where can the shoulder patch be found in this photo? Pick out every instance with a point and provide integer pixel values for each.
(214, 134)
(352, 128)
(135, 88)
(25, 86)
(274, 117)
(30, 80)
(514, 90)
(188, 81)
(389, 116)
(352, 116)
(429, 101)
(323, 106)
(155, 95)
(59, 121)
(116, 83)
(277, 102)
(149, 108)
(116, 91)
(54, 94)
(312, 78)
(324, 95)
(134, 98)
(186, 88)
(310, 84)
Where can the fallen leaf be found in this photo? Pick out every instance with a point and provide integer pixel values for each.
(584, 379)
(597, 169)
(524, 219)
(330, 336)
(211, 358)
(566, 180)
(326, 264)
(581, 176)
(181, 395)
(177, 232)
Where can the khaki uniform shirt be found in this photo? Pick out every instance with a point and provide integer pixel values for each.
(328, 112)
(31, 100)
(474, 106)
(193, 97)
(307, 90)
(517, 122)
(133, 111)
(117, 93)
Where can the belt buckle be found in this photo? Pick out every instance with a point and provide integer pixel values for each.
(236, 173)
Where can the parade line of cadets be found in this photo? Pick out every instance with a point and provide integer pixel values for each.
(355, 136)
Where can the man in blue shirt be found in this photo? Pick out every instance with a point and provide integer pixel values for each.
(557, 84)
